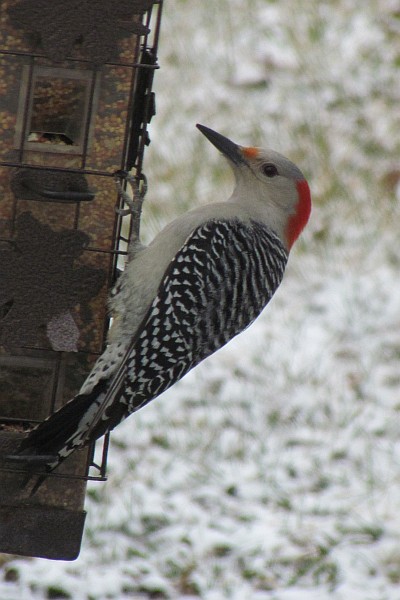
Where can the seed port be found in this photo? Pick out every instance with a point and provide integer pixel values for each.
(58, 107)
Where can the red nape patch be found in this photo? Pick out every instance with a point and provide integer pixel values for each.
(298, 221)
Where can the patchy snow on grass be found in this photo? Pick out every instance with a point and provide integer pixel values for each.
(271, 471)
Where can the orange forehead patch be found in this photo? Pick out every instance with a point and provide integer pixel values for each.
(250, 151)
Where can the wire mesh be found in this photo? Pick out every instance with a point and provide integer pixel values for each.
(139, 110)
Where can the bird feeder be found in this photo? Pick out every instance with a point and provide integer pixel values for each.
(75, 100)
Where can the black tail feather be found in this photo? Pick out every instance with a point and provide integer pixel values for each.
(50, 436)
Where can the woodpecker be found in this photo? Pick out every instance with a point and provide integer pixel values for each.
(202, 280)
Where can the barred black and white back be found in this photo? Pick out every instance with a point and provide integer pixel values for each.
(215, 286)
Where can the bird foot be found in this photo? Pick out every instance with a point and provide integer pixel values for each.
(134, 202)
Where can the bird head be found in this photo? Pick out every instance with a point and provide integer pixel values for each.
(269, 180)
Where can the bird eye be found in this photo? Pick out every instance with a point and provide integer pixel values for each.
(269, 170)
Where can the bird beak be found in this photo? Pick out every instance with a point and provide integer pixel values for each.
(229, 149)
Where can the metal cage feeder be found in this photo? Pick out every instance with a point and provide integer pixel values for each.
(72, 112)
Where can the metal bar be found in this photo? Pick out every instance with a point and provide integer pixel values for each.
(52, 474)
(146, 106)
(85, 352)
(23, 165)
(106, 444)
(158, 26)
(86, 136)
(90, 457)
(78, 60)
(25, 117)
(27, 108)
(56, 382)
(88, 249)
(89, 117)
(11, 420)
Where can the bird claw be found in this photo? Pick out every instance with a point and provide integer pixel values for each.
(125, 212)
(134, 206)
(138, 191)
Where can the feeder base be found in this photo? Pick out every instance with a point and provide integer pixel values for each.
(41, 531)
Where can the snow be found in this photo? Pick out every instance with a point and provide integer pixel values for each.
(271, 472)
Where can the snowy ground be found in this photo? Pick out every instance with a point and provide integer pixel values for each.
(272, 471)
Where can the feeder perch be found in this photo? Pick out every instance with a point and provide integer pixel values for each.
(76, 99)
